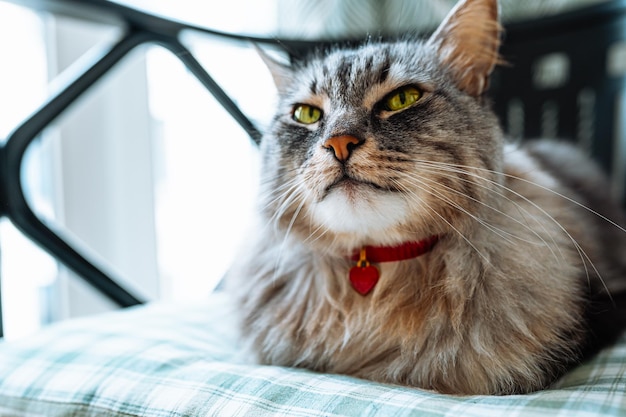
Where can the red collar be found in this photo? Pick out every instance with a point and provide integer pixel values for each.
(364, 276)
(401, 252)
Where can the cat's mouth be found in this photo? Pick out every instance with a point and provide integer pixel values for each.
(350, 185)
(359, 206)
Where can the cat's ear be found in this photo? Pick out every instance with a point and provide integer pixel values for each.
(281, 73)
(468, 41)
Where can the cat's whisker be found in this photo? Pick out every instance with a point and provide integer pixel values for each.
(284, 201)
(542, 187)
(452, 168)
(286, 238)
(586, 260)
(271, 193)
(571, 200)
(279, 193)
(521, 210)
(288, 203)
(415, 197)
(312, 239)
(421, 201)
(279, 177)
(284, 197)
(498, 231)
(464, 169)
(433, 191)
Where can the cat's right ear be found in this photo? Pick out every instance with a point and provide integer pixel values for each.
(281, 73)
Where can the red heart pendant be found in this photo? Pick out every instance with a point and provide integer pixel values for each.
(364, 278)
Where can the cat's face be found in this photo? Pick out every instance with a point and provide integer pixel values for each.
(367, 142)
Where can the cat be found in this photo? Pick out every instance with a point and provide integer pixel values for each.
(400, 238)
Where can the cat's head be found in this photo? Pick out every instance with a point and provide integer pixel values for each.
(388, 141)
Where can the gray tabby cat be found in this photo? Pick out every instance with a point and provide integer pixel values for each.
(400, 239)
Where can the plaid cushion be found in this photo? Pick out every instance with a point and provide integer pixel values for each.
(174, 360)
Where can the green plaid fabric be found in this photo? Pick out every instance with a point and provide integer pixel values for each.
(171, 360)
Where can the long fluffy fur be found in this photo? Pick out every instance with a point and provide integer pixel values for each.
(505, 300)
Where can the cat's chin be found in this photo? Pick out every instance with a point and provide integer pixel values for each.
(364, 213)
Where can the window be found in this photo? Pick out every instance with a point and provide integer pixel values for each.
(146, 174)
(27, 272)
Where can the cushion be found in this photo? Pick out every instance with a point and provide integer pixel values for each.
(166, 359)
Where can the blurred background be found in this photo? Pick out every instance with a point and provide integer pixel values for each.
(147, 172)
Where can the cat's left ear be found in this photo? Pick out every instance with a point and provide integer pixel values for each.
(468, 41)
(281, 73)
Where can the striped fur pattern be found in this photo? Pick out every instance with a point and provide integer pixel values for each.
(507, 299)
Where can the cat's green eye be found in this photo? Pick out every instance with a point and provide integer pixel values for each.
(401, 98)
(306, 114)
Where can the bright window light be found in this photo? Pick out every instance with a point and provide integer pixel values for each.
(27, 272)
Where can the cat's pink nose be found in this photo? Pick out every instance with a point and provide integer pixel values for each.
(342, 146)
